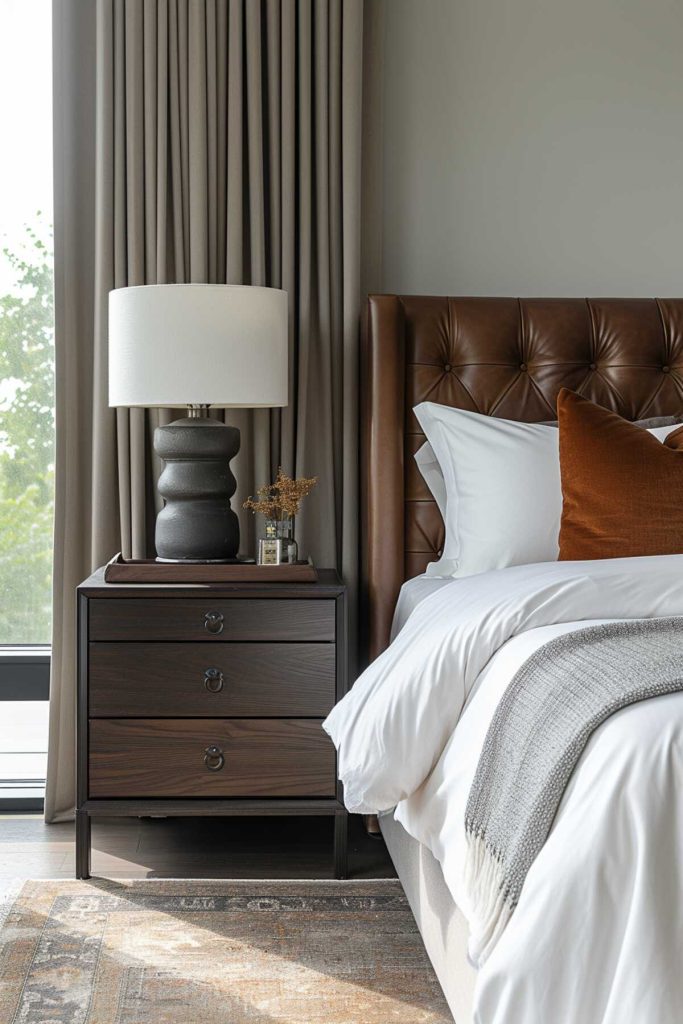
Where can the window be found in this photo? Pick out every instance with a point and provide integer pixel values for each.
(26, 395)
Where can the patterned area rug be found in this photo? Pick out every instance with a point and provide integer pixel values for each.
(223, 952)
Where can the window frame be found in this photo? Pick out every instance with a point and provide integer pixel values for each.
(24, 675)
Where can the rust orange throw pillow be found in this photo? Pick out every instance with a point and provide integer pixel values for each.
(622, 489)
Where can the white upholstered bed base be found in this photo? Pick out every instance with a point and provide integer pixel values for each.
(441, 923)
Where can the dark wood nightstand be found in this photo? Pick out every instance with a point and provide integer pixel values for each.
(208, 700)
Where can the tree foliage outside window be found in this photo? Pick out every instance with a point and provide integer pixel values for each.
(27, 431)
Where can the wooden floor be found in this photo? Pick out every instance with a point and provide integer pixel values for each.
(188, 848)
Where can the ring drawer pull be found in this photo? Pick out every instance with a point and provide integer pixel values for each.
(213, 758)
(213, 680)
(213, 622)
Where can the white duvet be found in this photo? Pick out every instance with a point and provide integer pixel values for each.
(597, 937)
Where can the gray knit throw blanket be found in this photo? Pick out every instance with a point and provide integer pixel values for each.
(562, 693)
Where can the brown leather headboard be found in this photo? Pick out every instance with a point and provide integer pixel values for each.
(503, 357)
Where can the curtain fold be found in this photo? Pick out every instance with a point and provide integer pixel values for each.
(201, 141)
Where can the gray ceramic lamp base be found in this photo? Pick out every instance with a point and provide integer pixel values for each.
(197, 523)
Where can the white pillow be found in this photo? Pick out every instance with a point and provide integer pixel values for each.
(497, 485)
(432, 474)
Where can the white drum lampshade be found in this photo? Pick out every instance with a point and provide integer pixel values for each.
(197, 345)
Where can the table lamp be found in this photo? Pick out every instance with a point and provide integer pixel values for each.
(197, 345)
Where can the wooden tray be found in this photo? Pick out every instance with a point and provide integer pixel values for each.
(148, 570)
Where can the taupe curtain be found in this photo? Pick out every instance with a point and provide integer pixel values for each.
(207, 141)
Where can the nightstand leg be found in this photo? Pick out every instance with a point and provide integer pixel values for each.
(341, 844)
(82, 844)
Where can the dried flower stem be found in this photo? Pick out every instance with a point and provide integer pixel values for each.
(282, 499)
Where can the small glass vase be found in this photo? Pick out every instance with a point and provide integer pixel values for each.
(283, 530)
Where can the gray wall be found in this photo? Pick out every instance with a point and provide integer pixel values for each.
(526, 147)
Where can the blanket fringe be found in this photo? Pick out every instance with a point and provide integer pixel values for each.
(490, 912)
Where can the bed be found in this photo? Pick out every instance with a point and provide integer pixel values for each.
(503, 357)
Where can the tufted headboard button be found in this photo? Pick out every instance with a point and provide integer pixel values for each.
(522, 367)
(665, 369)
(594, 366)
(448, 367)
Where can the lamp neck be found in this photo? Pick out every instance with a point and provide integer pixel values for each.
(196, 412)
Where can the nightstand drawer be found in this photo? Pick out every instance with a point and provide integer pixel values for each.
(174, 618)
(220, 758)
(221, 681)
